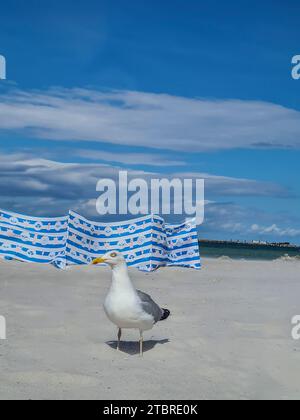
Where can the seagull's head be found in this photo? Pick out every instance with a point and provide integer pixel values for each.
(112, 258)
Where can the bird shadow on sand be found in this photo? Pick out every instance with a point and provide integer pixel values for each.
(133, 347)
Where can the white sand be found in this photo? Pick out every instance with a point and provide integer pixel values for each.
(229, 335)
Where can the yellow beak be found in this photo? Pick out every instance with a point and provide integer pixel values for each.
(98, 261)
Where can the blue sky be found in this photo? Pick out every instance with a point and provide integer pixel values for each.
(198, 88)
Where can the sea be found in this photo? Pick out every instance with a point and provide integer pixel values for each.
(247, 251)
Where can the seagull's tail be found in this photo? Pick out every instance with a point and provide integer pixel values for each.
(165, 314)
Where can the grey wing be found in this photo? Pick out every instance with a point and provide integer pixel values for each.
(150, 306)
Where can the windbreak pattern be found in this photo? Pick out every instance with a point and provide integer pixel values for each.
(146, 243)
(33, 239)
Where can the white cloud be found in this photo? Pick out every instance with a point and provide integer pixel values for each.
(145, 159)
(50, 188)
(275, 230)
(233, 227)
(41, 184)
(229, 220)
(229, 186)
(146, 119)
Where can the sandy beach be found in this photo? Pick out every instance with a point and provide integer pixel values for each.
(229, 335)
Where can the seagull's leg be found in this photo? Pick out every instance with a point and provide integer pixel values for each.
(141, 343)
(119, 338)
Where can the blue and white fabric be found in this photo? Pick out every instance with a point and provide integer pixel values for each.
(33, 239)
(146, 242)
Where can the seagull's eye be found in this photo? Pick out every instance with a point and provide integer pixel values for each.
(113, 255)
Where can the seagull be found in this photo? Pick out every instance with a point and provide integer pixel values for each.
(125, 306)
